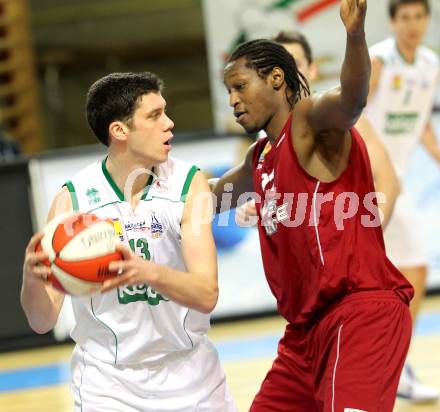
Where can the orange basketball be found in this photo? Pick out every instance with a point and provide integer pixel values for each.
(80, 247)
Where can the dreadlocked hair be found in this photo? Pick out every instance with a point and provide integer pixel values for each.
(263, 55)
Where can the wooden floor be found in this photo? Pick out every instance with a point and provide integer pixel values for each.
(245, 366)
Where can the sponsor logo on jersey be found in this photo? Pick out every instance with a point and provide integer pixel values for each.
(139, 293)
(136, 226)
(265, 151)
(282, 212)
(93, 196)
(161, 186)
(400, 123)
(266, 178)
(397, 82)
(156, 227)
(269, 211)
(353, 410)
(117, 225)
(271, 215)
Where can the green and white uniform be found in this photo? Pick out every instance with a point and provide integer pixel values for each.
(402, 104)
(399, 112)
(133, 338)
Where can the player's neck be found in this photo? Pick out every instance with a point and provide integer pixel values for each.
(126, 172)
(276, 124)
(408, 52)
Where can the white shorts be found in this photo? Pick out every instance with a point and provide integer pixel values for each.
(403, 236)
(190, 382)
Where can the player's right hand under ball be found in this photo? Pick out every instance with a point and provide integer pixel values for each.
(33, 268)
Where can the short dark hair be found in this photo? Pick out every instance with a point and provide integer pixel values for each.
(394, 5)
(295, 37)
(115, 97)
(264, 55)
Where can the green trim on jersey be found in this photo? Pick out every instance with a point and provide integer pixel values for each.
(72, 191)
(100, 207)
(108, 327)
(147, 186)
(188, 181)
(115, 187)
(110, 180)
(184, 328)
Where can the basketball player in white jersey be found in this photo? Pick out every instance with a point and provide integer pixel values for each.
(385, 178)
(403, 83)
(141, 345)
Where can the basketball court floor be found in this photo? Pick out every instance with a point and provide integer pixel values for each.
(37, 380)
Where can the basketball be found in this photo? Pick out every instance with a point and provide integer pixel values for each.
(80, 248)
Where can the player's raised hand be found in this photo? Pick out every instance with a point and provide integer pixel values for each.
(353, 15)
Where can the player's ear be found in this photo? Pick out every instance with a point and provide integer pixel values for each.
(118, 131)
(313, 72)
(277, 77)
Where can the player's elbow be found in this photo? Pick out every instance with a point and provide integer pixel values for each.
(352, 115)
(41, 329)
(40, 326)
(357, 108)
(354, 98)
(38, 323)
(349, 110)
(360, 106)
(210, 300)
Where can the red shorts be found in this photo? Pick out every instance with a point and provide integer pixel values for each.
(348, 361)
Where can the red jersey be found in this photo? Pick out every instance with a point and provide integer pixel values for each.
(319, 241)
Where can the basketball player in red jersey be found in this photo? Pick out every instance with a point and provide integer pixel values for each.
(323, 253)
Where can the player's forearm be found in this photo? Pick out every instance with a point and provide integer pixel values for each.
(386, 182)
(38, 306)
(194, 290)
(387, 206)
(429, 140)
(230, 190)
(212, 182)
(355, 75)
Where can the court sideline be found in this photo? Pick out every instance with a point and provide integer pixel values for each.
(37, 380)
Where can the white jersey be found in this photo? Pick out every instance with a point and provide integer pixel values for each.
(402, 105)
(135, 324)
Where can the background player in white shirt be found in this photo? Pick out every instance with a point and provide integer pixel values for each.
(142, 345)
(403, 83)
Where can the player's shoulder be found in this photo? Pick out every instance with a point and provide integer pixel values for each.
(88, 172)
(175, 176)
(303, 107)
(86, 187)
(174, 168)
(61, 203)
(384, 50)
(428, 56)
